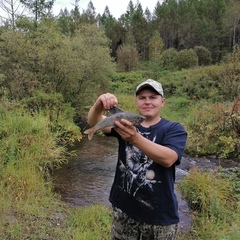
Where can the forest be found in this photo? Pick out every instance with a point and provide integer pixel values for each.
(52, 68)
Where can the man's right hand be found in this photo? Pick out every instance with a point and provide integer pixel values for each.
(106, 101)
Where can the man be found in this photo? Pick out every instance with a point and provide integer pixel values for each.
(142, 194)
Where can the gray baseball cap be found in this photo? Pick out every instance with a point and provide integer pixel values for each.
(151, 83)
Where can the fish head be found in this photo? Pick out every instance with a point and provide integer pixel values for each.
(135, 119)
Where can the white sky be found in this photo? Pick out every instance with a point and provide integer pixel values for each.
(116, 7)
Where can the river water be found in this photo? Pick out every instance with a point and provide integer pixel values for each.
(87, 178)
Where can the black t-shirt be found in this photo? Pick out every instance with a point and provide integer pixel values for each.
(143, 189)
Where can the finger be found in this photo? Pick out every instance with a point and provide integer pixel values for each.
(126, 122)
(122, 127)
(109, 100)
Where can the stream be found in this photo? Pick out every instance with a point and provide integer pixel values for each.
(87, 178)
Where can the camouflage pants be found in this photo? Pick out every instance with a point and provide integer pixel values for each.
(125, 228)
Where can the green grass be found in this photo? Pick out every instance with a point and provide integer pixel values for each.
(90, 223)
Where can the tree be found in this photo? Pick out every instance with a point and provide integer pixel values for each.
(139, 30)
(156, 48)
(186, 59)
(112, 30)
(134, 23)
(204, 55)
(45, 60)
(127, 58)
(165, 21)
(93, 64)
(148, 15)
(233, 22)
(213, 15)
(63, 21)
(169, 59)
(40, 8)
(89, 15)
(14, 10)
(187, 25)
(74, 18)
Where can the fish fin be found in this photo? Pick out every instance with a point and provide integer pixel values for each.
(115, 110)
(90, 133)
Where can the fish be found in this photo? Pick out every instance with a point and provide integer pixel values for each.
(116, 114)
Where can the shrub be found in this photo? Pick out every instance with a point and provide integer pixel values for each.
(127, 58)
(212, 130)
(204, 55)
(186, 59)
(168, 59)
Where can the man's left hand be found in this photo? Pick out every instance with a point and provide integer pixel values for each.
(126, 130)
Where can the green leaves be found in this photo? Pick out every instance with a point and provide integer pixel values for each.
(44, 59)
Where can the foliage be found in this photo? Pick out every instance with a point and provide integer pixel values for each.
(181, 24)
(53, 107)
(233, 176)
(18, 130)
(39, 8)
(111, 28)
(46, 60)
(204, 55)
(230, 74)
(127, 58)
(168, 59)
(126, 82)
(186, 59)
(212, 131)
(156, 47)
(94, 66)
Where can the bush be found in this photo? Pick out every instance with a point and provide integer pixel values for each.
(186, 59)
(204, 55)
(212, 130)
(127, 58)
(168, 59)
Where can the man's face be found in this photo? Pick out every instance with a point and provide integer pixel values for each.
(149, 103)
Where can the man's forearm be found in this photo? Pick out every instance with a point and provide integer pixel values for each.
(94, 115)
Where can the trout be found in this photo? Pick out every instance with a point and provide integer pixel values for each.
(116, 114)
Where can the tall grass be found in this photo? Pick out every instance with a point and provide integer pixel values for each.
(216, 210)
(27, 152)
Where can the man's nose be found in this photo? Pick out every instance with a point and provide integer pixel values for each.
(147, 101)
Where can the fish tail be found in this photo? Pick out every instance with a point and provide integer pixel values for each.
(90, 133)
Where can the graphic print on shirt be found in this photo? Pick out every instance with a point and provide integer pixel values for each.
(135, 173)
